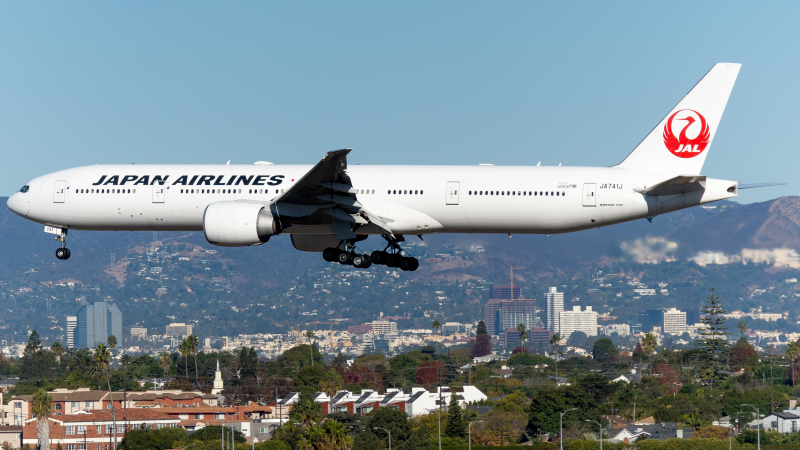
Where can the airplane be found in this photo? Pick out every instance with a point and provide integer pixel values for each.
(330, 207)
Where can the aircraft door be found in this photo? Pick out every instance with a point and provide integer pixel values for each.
(60, 192)
(159, 193)
(452, 192)
(590, 194)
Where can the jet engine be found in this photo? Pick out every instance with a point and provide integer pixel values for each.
(239, 224)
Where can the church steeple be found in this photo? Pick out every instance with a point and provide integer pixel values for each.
(218, 386)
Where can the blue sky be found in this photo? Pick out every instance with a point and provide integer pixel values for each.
(510, 83)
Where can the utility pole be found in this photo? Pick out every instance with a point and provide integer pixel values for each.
(772, 381)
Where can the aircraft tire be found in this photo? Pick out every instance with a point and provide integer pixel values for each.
(414, 264)
(378, 257)
(69, 253)
(330, 254)
(393, 260)
(344, 258)
(359, 261)
(367, 262)
(61, 253)
(405, 264)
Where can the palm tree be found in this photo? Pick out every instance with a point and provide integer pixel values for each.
(194, 345)
(102, 356)
(742, 327)
(126, 362)
(310, 336)
(649, 342)
(555, 340)
(184, 349)
(436, 327)
(112, 344)
(523, 335)
(792, 352)
(41, 409)
(330, 384)
(165, 361)
(57, 350)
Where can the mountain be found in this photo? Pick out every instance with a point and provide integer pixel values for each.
(158, 278)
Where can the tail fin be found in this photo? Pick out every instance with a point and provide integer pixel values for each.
(680, 142)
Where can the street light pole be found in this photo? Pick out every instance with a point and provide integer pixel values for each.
(469, 430)
(601, 431)
(560, 427)
(390, 436)
(758, 429)
(439, 413)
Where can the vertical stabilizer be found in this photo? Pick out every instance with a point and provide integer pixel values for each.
(681, 141)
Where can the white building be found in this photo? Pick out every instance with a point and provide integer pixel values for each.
(383, 327)
(674, 321)
(178, 330)
(783, 422)
(72, 324)
(139, 332)
(620, 329)
(577, 320)
(554, 304)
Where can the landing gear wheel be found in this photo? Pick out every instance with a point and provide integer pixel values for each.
(393, 260)
(413, 264)
(359, 261)
(62, 253)
(69, 253)
(367, 262)
(330, 254)
(345, 258)
(379, 257)
(405, 264)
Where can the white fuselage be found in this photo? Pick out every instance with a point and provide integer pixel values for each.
(411, 199)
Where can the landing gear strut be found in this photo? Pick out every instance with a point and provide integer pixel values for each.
(62, 252)
(347, 256)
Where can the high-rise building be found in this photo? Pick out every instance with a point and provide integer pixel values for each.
(511, 337)
(674, 321)
(555, 304)
(72, 324)
(537, 334)
(577, 320)
(652, 318)
(689, 299)
(178, 330)
(494, 309)
(503, 292)
(620, 329)
(96, 322)
(381, 327)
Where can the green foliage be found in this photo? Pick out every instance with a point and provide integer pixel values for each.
(481, 329)
(604, 351)
(211, 433)
(306, 410)
(298, 357)
(690, 444)
(713, 338)
(546, 405)
(248, 362)
(528, 359)
(159, 439)
(404, 437)
(456, 425)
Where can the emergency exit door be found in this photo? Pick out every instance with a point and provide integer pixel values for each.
(60, 192)
(452, 192)
(159, 191)
(590, 194)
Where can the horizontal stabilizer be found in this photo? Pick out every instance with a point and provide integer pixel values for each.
(759, 185)
(677, 185)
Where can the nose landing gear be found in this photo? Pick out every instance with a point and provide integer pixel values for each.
(62, 252)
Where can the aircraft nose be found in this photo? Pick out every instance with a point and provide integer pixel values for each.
(11, 201)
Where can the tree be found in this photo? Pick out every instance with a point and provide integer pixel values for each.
(248, 363)
(404, 436)
(165, 361)
(41, 409)
(713, 338)
(436, 326)
(506, 419)
(112, 344)
(743, 354)
(456, 425)
(527, 359)
(742, 328)
(57, 350)
(555, 340)
(649, 343)
(428, 372)
(330, 384)
(306, 411)
(523, 335)
(792, 352)
(604, 351)
(184, 349)
(310, 336)
(126, 363)
(102, 356)
(577, 339)
(483, 342)
(192, 345)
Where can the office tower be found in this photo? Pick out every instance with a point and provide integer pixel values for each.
(577, 320)
(96, 322)
(652, 318)
(523, 310)
(513, 318)
(674, 321)
(689, 299)
(555, 304)
(503, 292)
(72, 323)
(178, 330)
(511, 337)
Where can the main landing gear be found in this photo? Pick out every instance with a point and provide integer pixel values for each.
(63, 252)
(391, 258)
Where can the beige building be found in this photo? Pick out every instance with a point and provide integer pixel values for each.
(380, 327)
(178, 330)
(577, 320)
(674, 321)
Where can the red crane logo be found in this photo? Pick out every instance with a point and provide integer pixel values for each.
(683, 146)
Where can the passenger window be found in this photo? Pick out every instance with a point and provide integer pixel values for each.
(415, 192)
(420, 192)
(373, 191)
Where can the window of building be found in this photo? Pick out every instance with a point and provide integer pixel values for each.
(81, 447)
(218, 416)
(70, 429)
(99, 429)
(18, 405)
(109, 429)
(90, 404)
(120, 429)
(109, 406)
(81, 429)
(70, 446)
(57, 407)
(76, 405)
(775, 424)
(198, 416)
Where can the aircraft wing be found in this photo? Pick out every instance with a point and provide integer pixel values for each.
(325, 195)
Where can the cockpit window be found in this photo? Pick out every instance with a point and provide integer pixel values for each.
(25, 188)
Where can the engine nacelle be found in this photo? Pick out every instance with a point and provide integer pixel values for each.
(239, 224)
